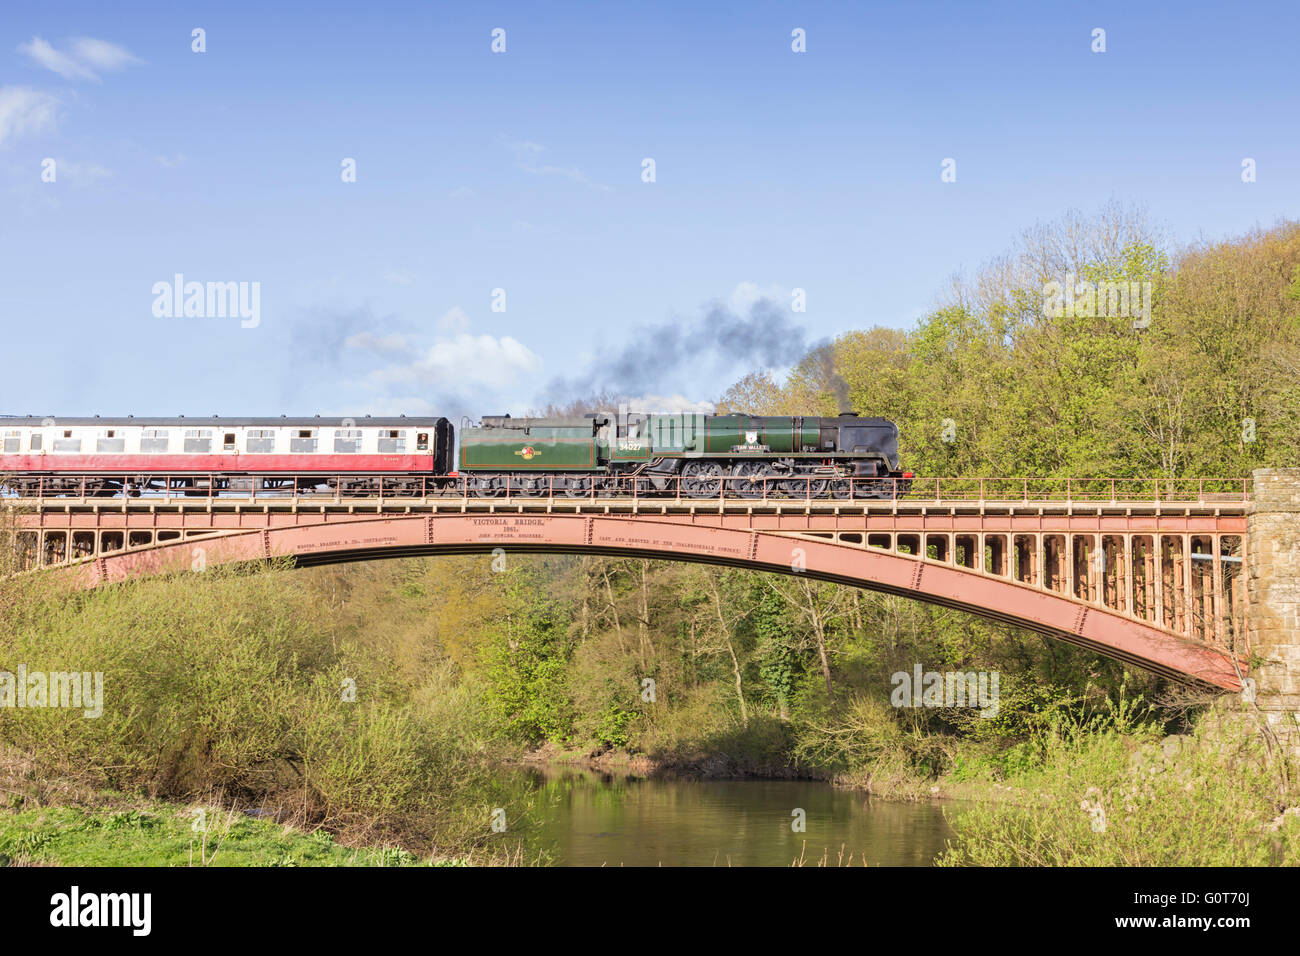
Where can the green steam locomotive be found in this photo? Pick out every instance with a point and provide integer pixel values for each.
(691, 455)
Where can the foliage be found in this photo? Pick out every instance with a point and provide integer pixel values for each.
(1110, 799)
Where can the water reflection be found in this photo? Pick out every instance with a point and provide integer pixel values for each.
(584, 818)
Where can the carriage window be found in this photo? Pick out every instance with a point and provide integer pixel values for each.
(347, 441)
(36, 441)
(67, 443)
(153, 441)
(11, 442)
(198, 441)
(109, 441)
(228, 441)
(392, 442)
(261, 441)
(303, 441)
(422, 441)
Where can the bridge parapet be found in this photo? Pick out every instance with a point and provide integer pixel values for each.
(1273, 593)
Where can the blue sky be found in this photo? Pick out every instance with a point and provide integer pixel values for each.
(522, 171)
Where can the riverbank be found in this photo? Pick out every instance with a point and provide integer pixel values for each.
(717, 766)
(155, 833)
(1137, 798)
(67, 821)
(618, 762)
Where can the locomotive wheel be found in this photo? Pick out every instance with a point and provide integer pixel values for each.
(484, 487)
(577, 487)
(874, 489)
(748, 477)
(529, 486)
(842, 489)
(805, 488)
(701, 479)
(790, 488)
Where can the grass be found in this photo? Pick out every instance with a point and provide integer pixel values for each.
(169, 834)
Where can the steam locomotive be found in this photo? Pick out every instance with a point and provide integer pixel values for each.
(688, 455)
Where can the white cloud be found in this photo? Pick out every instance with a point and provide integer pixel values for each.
(573, 173)
(747, 294)
(86, 56)
(171, 162)
(396, 277)
(61, 63)
(461, 192)
(80, 174)
(102, 55)
(526, 152)
(466, 362)
(411, 406)
(24, 110)
(377, 343)
(454, 320)
(407, 406)
(669, 404)
(524, 148)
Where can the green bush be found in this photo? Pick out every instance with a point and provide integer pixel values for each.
(1106, 798)
(243, 684)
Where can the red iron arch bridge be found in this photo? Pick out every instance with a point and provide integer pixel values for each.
(1146, 572)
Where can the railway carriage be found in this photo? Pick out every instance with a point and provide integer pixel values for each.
(108, 456)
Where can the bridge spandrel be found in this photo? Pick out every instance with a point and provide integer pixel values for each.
(1118, 577)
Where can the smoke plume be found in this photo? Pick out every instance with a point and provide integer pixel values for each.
(721, 343)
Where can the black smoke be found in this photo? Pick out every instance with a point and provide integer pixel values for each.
(821, 358)
(657, 358)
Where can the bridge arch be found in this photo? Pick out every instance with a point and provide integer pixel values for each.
(690, 538)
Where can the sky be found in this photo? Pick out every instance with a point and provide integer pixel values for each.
(499, 245)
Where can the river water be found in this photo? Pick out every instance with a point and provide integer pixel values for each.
(584, 818)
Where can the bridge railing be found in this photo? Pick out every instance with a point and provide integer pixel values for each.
(342, 487)
(1196, 490)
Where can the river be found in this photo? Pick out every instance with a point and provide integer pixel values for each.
(585, 818)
